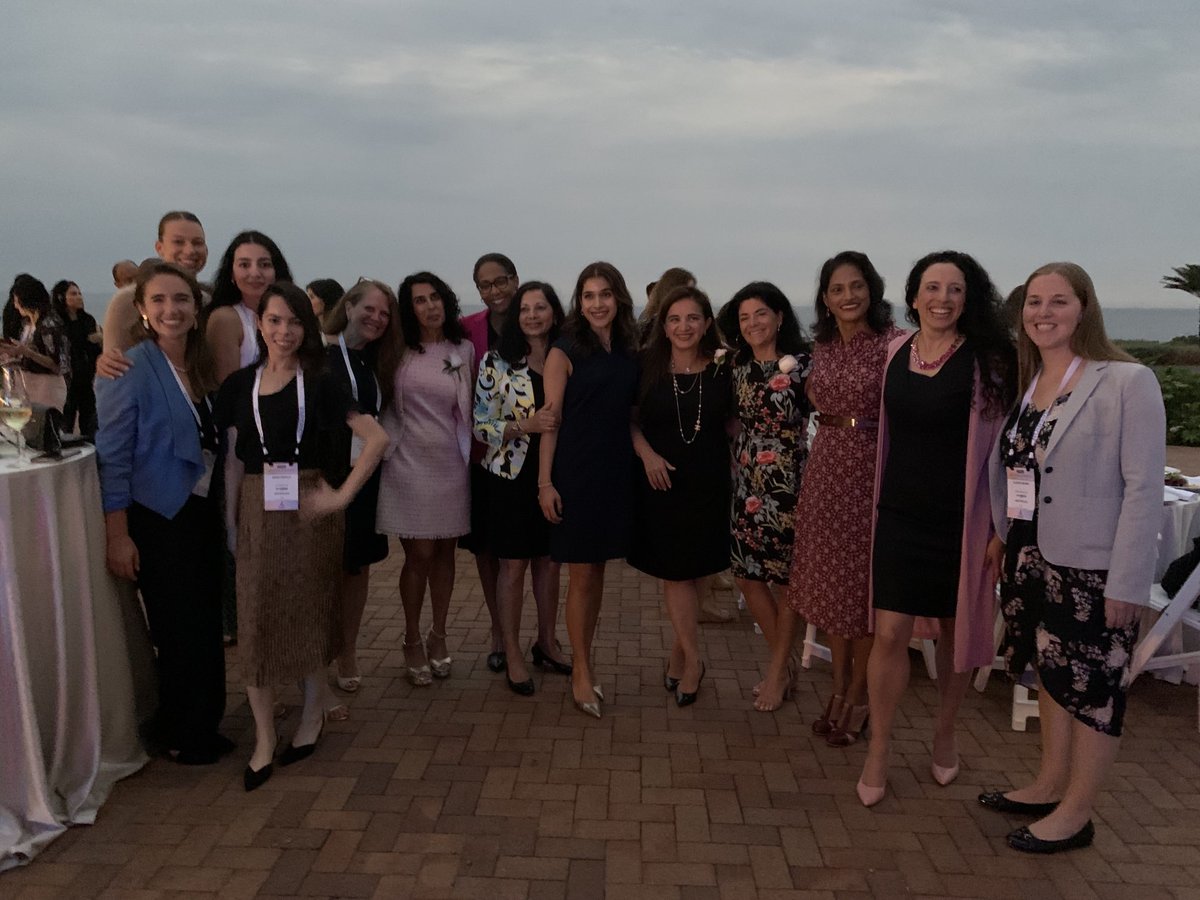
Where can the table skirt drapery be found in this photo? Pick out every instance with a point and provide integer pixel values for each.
(70, 638)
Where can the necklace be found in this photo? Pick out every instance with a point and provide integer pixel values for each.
(687, 442)
(937, 363)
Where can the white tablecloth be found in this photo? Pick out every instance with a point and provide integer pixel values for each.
(69, 636)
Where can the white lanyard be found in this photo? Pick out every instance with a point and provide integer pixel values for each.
(299, 410)
(186, 396)
(353, 380)
(1012, 434)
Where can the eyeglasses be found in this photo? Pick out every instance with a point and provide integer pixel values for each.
(489, 286)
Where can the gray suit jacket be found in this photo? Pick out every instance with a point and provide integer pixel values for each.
(1100, 498)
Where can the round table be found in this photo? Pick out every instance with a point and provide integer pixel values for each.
(70, 639)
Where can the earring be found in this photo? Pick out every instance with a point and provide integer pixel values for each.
(145, 323)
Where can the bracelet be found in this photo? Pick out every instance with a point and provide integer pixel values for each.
(517, 422)
(542, 484)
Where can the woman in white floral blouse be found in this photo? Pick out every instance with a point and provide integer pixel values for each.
(510, 417)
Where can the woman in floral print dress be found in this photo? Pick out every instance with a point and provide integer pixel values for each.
(771, 361)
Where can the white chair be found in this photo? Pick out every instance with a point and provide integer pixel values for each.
(1173, 612)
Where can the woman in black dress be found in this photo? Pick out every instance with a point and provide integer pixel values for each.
(510, 418)
(946, 389)
(363, 357)
(681, 530)
(83, 339)
(585, 472)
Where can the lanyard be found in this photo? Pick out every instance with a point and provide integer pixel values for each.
(1012, 434)
(186, 396)
(353, 380)
(299, 410)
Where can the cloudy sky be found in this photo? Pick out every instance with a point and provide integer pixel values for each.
(742, 141)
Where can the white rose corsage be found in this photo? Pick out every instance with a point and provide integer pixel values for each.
(787, 363)
(452, 365)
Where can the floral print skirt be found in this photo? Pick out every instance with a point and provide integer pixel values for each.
(1054, 617)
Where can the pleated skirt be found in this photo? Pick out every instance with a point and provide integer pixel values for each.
(288, 586)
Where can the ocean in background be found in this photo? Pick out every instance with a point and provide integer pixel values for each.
(1123, 323)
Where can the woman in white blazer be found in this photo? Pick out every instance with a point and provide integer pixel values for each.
(1077, 497)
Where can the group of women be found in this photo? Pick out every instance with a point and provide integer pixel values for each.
(538, 437)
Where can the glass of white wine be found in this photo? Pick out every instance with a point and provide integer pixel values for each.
(15, 408)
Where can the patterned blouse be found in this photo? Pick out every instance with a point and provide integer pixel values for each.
(503, 394)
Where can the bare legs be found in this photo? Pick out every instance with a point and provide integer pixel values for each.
(426, 563)
(585, 586)
(1075, 762)
(849, 658)
(778, 622)
(683, 607)
(510, 590)
(488, 567)
(354, 601)
(312, 716)
(887, 679)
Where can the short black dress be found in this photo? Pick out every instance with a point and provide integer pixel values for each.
(1054, 616)
(593, 457)
(683, 533)
(519, 530)
(364, 546)
(922, 497)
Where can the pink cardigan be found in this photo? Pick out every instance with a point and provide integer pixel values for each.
(476, 326)
(976, 615)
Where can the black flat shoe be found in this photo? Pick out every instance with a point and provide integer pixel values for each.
(684, 698)
(1027, 842)
(252, 780)
(543, 661)
(497, 661)
(294, 753)
(997, 801)
(524, 688)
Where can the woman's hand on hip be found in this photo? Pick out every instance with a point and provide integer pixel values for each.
(320, 501)
(1119, 614)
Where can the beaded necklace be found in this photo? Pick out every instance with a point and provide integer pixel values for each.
(937, 363)
(687, 442)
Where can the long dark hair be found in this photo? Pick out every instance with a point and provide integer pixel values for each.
(789, 340)
(329, 291)
(225, 292)
(981, 323)
(201, 372)
(624, 327)
(410, 328)
(388, 348)
(879, 311)
(58, 298)
(656, 356)
(514, 346)
(312, 349)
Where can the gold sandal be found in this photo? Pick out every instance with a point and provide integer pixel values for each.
(420, 676)
(440, 667)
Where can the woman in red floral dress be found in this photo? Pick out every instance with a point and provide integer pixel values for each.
(831, 563)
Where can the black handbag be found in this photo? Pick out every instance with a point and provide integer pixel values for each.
(1177, 572)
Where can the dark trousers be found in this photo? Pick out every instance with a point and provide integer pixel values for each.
(81, 401)
(180, 581)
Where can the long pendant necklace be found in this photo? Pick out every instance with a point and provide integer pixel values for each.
(687, 442)
(937, 363)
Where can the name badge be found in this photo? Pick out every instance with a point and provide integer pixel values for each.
(210, 461)
(1022, 494)
(357, 446)
(281, 487)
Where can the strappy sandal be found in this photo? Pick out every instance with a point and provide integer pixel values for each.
(420, 676)
(440, 667)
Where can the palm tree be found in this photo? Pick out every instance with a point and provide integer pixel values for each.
(1186, 278)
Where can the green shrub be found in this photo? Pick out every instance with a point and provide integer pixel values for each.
(1181, 396)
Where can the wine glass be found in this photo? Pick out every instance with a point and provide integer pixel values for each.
(15, 408)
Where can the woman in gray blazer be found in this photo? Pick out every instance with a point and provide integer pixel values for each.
(1077, 497)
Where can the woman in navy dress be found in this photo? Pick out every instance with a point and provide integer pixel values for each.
(585, 483)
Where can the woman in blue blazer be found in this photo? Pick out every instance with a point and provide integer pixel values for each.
(1076, 483)
(157, 445)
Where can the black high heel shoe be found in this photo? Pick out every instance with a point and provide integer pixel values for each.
(294, 753)
(524, 688)
(253, 779)
(543, 660)
(670, 682)
(687, 698)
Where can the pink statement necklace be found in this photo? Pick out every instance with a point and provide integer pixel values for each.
(940, 361)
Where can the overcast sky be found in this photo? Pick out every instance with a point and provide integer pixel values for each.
(742, 141)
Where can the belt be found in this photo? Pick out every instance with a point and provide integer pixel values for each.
(827, 421)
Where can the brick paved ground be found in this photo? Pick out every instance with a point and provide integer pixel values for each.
(466, 790)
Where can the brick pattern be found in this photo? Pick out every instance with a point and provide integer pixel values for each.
(465, 790)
